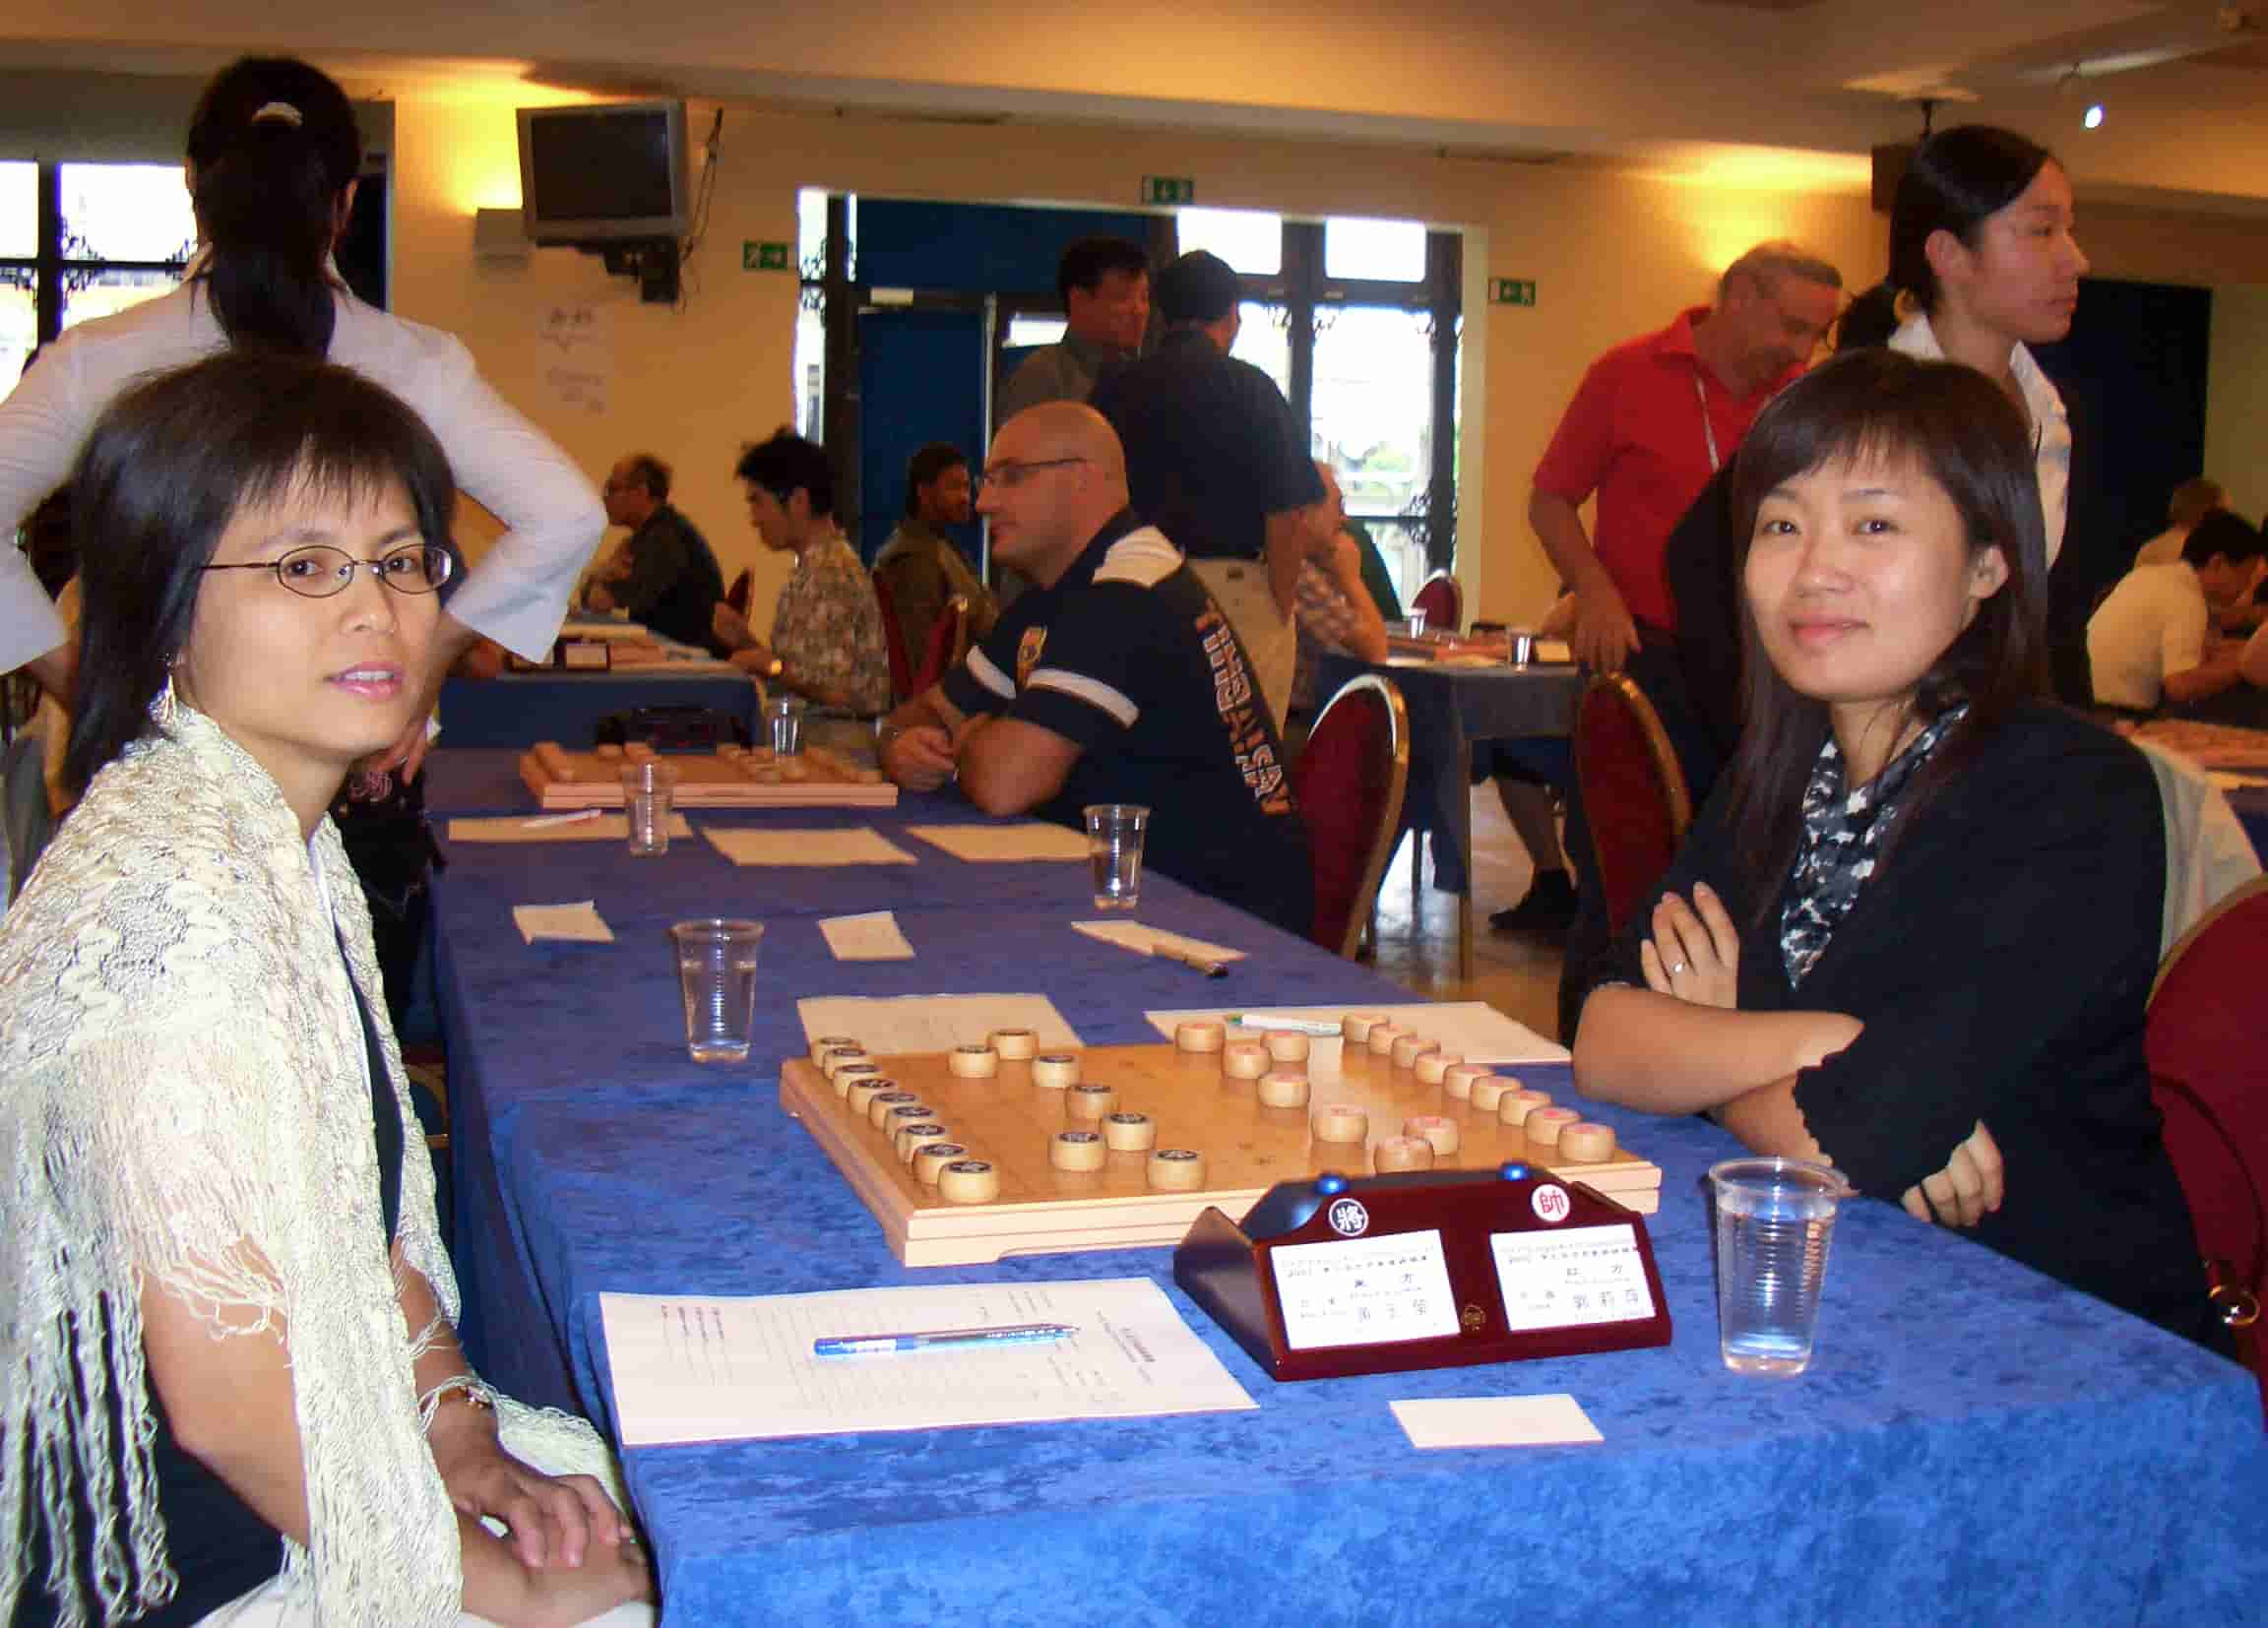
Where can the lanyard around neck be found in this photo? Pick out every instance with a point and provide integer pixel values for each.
(1708, 429)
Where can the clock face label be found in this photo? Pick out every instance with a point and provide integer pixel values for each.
(1365, 1291)
(1571, 1278)
(1551, 1203)
(1348, 1218)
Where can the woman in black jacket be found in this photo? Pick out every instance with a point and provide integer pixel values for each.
(1915, 929)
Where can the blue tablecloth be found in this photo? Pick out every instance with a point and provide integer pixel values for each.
(1451, 708)
(2251, 805)
(1974, 1442)
(520, 709)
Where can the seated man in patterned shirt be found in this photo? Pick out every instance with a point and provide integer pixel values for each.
(826, 643)
(1115, 678)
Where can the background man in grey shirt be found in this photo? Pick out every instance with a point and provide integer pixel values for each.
(1105, 283)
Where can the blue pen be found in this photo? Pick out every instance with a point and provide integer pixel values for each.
(1015, 1334)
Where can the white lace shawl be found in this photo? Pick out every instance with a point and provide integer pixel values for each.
(183, 1082)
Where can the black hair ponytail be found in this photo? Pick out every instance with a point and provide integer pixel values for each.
(1868, 320)
(273, 146)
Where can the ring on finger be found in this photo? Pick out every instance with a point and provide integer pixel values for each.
(1676, 968)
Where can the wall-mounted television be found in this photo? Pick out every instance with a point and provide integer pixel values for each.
(607, 170)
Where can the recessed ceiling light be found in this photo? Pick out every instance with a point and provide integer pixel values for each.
(2092, 119)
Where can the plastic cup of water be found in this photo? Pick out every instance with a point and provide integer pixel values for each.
(783, 717)
(1114, 833)
(1775, 1218)
(1416, 622)
(1519, 648)
(716, 971)
(646, 790)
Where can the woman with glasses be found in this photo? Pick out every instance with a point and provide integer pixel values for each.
(274, 161)
(234, 1389)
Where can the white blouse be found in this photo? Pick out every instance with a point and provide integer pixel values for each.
(2051, 424)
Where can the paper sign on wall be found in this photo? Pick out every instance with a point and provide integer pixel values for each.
(577, 344)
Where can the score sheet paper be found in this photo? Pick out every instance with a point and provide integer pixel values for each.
(895, 1026)
(826, 845)
(1552, 1420)
(1473, 1030)
(985, 844)
(693, 1368)
(874, 936)
(598, 828)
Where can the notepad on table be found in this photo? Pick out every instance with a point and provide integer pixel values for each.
(874, 936)
(1551, 1420)
(577, 924)
(857, 846)
(553, 828)
(990, 843)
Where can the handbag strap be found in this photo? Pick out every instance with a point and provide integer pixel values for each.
(2236, 1299)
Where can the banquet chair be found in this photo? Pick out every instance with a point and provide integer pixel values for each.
(742, 589)
(1442, 599)
(1349, 779)
(1634, 794)
(901, 684)
(948, 643)
(2209, 1076)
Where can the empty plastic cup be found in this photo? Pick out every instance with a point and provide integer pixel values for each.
(647, 792)
(783, 716)
(717, 971)
(1416, 623)
(1114, 833)
(1775, 1218)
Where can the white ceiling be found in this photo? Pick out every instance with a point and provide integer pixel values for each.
(1677, 84)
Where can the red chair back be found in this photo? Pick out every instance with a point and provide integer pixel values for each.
(2209, 1074)
(1349, 779)
(894, 640)
(1634, 795)
(948, 643)
(1442, 599)
(742, 589)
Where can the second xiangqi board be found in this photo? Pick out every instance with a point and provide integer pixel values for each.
(1007, 1122)
(730, 778)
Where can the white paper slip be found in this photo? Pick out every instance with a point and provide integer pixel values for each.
(542, 828)
(1132, 935)
(574, 923)
(898, 1025)
(1495, 1421)
(984, 844)
(859, 846)
(689, 1368)
(1475, 1031)
(874, 936)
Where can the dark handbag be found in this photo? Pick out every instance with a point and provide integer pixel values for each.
(675, 729)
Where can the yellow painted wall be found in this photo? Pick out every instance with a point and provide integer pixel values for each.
(1613, 254)
(2237, 417)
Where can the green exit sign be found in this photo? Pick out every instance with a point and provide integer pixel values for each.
(1169, 189)
(765, 257)
(1511, 290)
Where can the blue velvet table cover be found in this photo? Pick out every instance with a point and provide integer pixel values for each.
(1974, 1442)
(520, 709)
(1451, 708)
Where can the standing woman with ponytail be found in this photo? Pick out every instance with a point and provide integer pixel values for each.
(274, 157)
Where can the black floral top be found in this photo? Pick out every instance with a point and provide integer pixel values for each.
(1842, 830)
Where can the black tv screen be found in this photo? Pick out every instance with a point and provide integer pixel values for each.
(603, 171)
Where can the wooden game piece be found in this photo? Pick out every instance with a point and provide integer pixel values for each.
(1382, 1036)
(732, 751)
(1431, 1066)
(1544, 1125)
(903, 1114)
(1339, 1122)
(638, 751)
(1489, 1092)
(1129, 1132)
(863, 1089)
(609, 753)
(1015, 1046)
(1355, 1025)
(879, 1104)
(1199, 1034)
(1176, 1169)
(1434, 1128)
(932, 1157)
(839, 1058)
(912, 1137)
(1285, 1046)
(1055, 1069)
(1403, 1153)
(1458, 1081)
(1282, 1088)
(795, 772)
(1517, 1105)
(830, 1042)
(1077, 1150)
(1090, 1101)
(973, 1062)
(850, 1074)
(967, 1181)
(1407, 1048)
(1244, 1060)
(1587, 1142)
(552, 757)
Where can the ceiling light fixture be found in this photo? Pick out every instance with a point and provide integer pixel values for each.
(2092, 119)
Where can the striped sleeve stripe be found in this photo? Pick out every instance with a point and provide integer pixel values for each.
(1092, 690)
(991, 677)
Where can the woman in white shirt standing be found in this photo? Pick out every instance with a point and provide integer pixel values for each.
(274, 158)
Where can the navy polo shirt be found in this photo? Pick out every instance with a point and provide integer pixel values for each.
(1128, 658)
